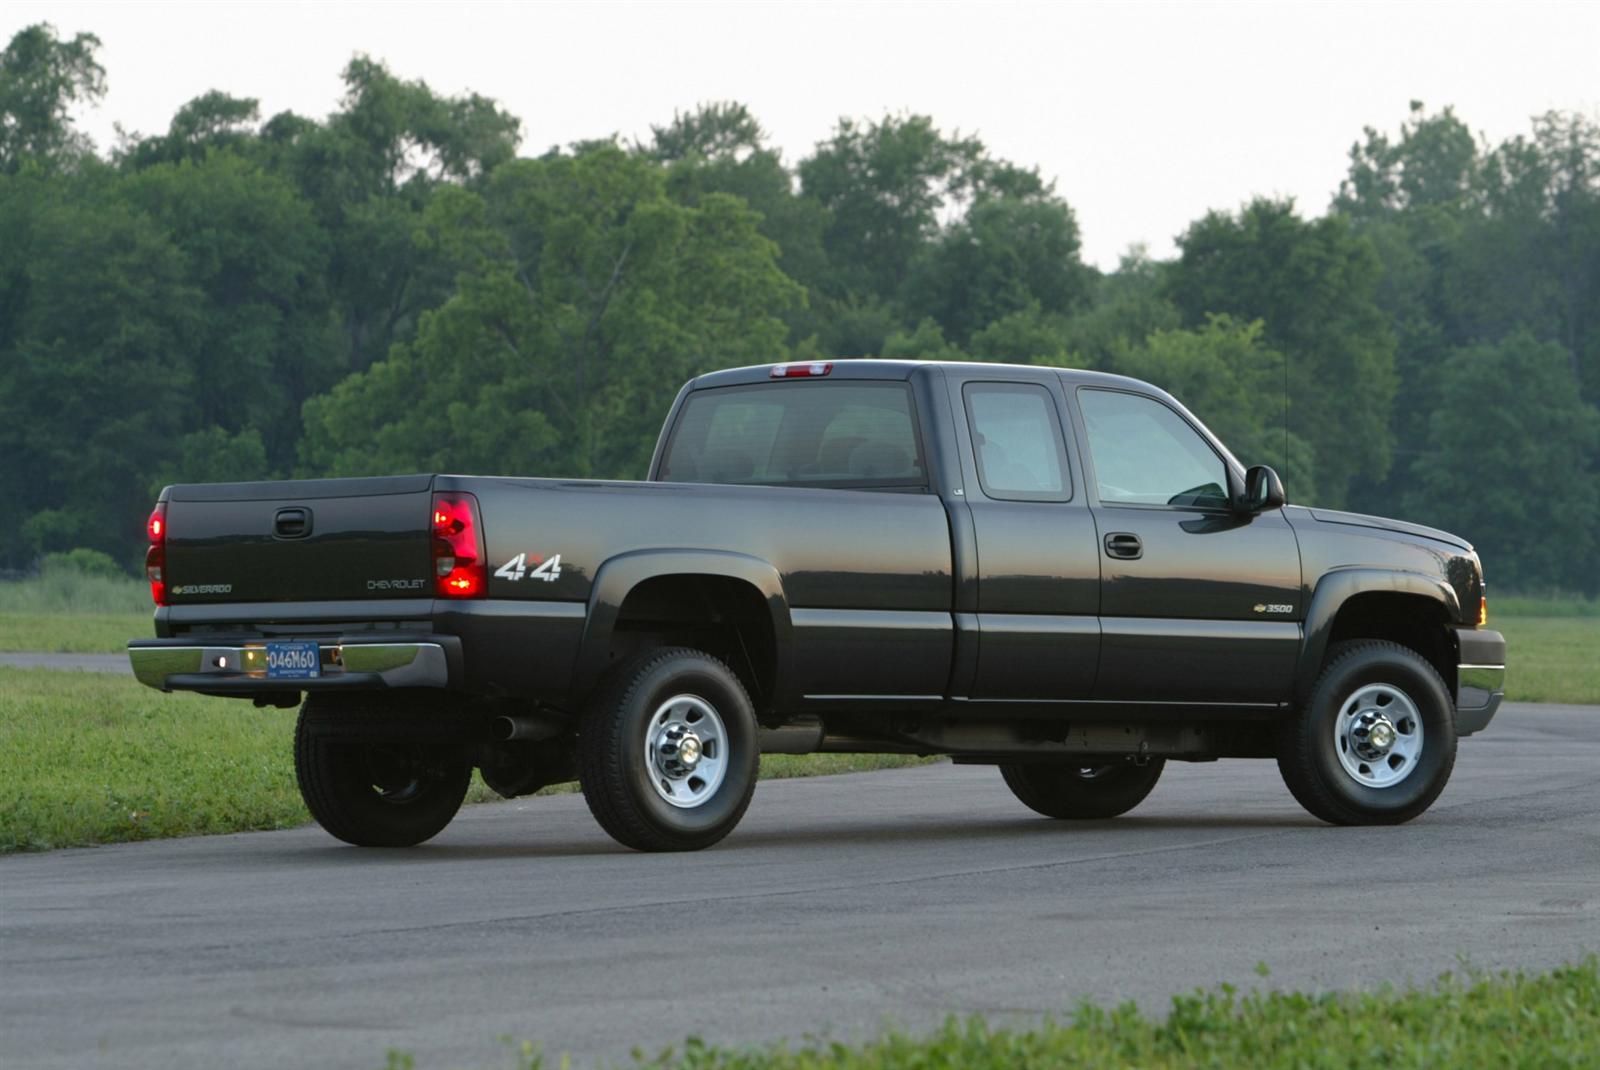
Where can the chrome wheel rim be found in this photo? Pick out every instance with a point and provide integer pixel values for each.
(1378, 735)
(686, 751)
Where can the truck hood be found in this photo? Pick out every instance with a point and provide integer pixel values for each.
(1383, 523)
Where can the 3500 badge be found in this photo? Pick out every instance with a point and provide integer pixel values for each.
(519, 567)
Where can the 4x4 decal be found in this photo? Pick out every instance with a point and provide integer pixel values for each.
(541, 569)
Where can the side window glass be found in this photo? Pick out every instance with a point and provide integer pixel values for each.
(1016, 437)
(1146, 454)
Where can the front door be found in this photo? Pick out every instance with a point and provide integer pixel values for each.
(1197, 603)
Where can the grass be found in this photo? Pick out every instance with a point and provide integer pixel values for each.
(88, 758)
(73, 633)
(67, 591)
(68, 612)
(1509, 1019)
(1551, 659)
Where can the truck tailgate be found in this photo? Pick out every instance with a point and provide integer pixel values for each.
(307, 540)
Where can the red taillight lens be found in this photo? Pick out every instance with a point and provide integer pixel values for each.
(459, 569)
(155, 558)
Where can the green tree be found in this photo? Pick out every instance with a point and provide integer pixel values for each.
(1510, 462)
(41, 78)
(926, 342)
(883, 186)
(1313, 283)
(1027, 336)
(585, 296)
(264, 338)
(1227, 375)
(97, 318)
(1007, 255)
(721, 148)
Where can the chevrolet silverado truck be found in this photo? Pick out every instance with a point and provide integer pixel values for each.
(1060, 573)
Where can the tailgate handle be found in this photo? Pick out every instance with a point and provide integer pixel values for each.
(292, 523)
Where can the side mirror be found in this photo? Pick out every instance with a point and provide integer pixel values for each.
(1263, 490)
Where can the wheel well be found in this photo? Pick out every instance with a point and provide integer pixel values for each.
(723, 616)
(1412, 621)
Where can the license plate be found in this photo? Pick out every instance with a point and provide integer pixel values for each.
(293, 661)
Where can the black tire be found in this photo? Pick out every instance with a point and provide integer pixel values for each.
(1079, 792)
(616, 766)
(1309, 752)
(368, 785)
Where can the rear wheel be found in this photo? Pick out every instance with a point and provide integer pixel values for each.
(1376, 742)
(668, 752)
(1083, 792)
(367, 788)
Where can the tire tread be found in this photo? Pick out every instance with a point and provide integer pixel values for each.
(600, 766)
(1297, 756)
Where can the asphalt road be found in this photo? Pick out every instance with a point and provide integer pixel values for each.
(839, 903)
(112, 663)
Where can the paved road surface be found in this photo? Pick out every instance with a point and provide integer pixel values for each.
(839, 902)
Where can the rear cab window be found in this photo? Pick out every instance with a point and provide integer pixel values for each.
(1017, 442)
(858, 434)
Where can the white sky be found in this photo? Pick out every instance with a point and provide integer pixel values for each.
(1146, 114)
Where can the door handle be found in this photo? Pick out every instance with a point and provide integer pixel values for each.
(1124, 544)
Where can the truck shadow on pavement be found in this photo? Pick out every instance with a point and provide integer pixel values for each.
(825, 838)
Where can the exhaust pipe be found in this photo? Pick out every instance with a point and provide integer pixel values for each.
(524, 726)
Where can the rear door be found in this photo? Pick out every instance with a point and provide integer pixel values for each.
(1038, 568)
(1197, 603)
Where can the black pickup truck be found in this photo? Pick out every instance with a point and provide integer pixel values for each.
(1060, 573)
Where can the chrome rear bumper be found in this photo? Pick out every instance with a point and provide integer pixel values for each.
(242, 668)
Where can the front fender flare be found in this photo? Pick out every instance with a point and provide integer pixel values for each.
(1337, 587)
(621, 574)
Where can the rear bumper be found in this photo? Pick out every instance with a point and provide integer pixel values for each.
(239, 668)
(1480, 678)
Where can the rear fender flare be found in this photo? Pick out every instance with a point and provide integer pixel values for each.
(1336, 588)
(621, 574)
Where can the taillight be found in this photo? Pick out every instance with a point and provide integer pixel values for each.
(814, 370)
(155, 558)
(459, 569)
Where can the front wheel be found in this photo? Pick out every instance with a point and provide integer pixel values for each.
(1083, 792)
(668, 752)
(1376, 740)
(369, 790)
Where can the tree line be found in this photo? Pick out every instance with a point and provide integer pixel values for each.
(395, 288)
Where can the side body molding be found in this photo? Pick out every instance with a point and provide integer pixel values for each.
(621, 574)
(1338, 586)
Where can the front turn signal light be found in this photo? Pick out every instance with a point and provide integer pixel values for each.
(1483, 610)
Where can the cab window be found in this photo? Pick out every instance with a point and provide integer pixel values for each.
(1016, 438)
(1146, 454)
(844, 434)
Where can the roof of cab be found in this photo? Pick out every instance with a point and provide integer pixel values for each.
(876, 368)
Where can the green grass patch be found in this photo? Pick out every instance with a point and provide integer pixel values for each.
(64, 611)
(64, 590)
(87, 758)
(1551, 659)
(1510, 1019)
(1516, 605)
(73, 633)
